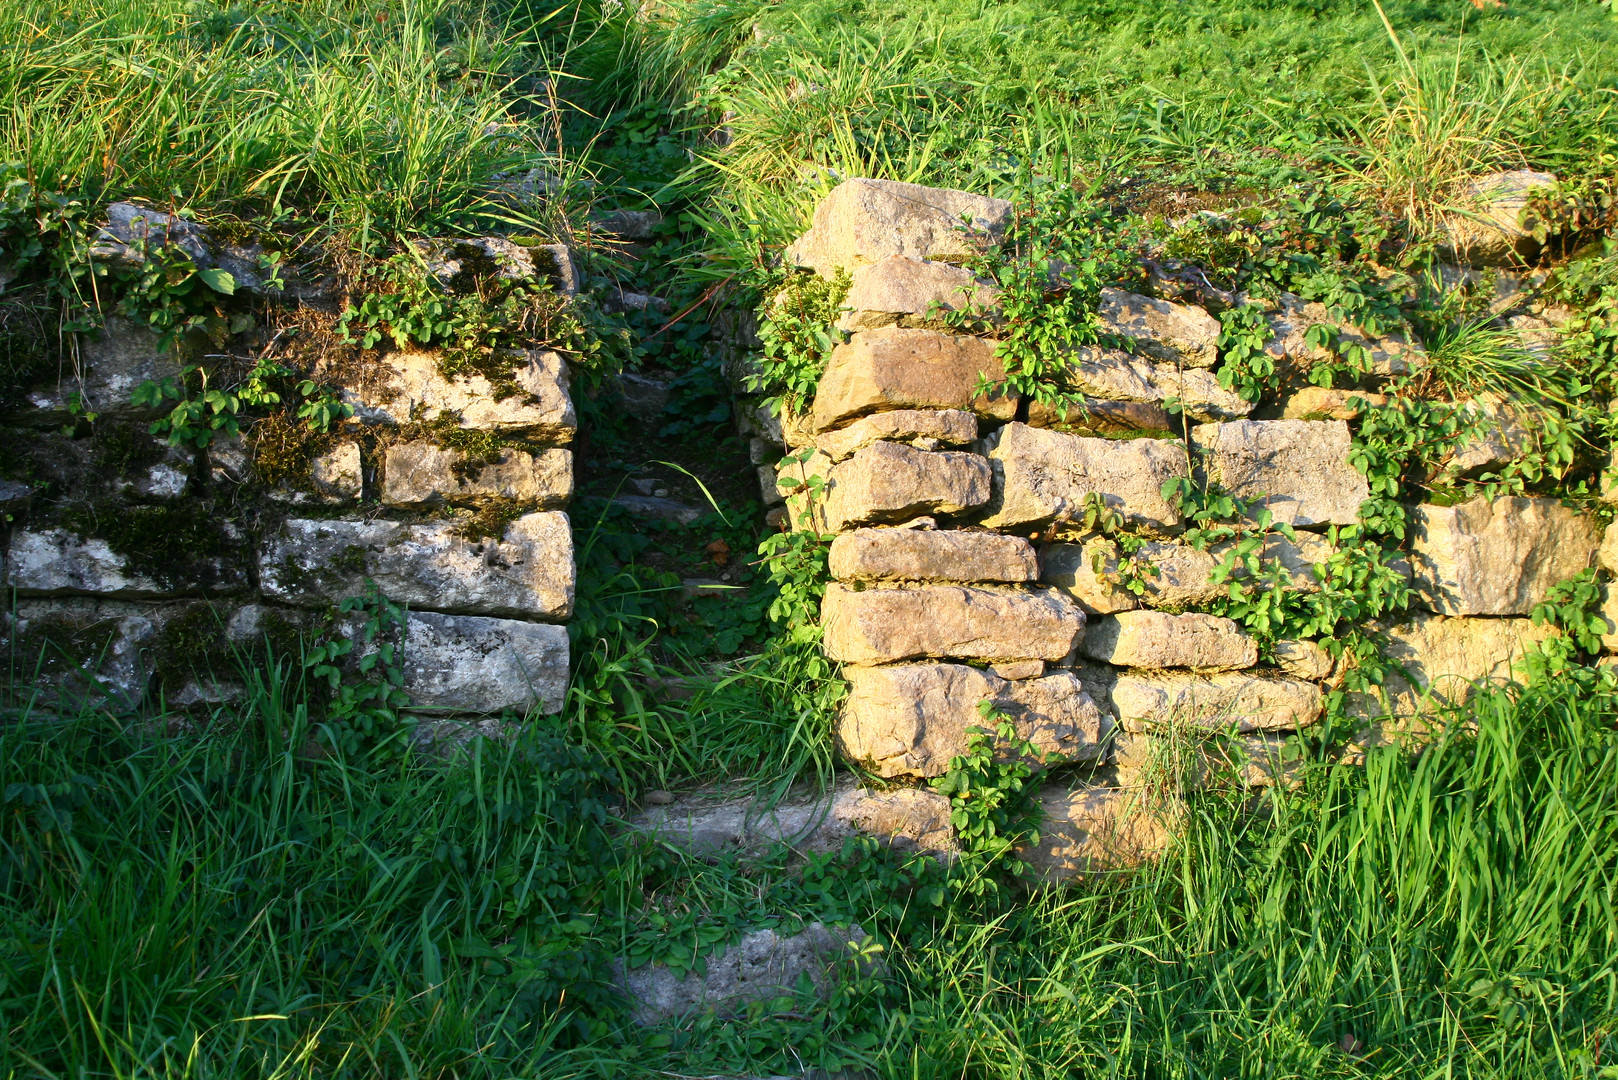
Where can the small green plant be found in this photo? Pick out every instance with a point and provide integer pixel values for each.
(797, 335)
(1574, 608)
(363, 715)
(993, 803)
(202, 414)
(1244, 365)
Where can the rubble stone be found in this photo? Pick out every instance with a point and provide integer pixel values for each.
(883, 625)
(1496, 557)
(911, 719)
(1156, 639)
(422, 474)
(335, 477)
(902, 288)
(1045, 476)
(1445, 658)
(1092, 830)
(1111, 375)
(1182, 765)
(863, 221)
(1391, 353)
(1297, 469)
(943, 427)
(1320, 403)
(527, 572)
(60, 562)
(472, 664)
(1245, 702)
(932, 555)
(80, 651)
(1178, 333)
(1169, 575)
(1095, 416)
(1489, 232)
(1303, 660)
(114, 361)
(891, 482)
(898, 368)
(409, 387)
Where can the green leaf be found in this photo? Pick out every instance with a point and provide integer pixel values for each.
(220, 281)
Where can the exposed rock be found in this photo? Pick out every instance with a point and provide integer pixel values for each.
(763, 966)
(911, 719)
(1496, 557)
(1090, 830)
(334, 477)
(1073, 568)
(1243, 702)
(1168, 574)
(897, 368)
(59, 562)
(931, 555)
(659, 509)
(905, 289)
(1319, 403)
(113, 362)
(891, 482)
(882, 625)
(1607, 554)
(926, 428)
(1446, 658)
(1297, 469)
(72, 652)
(1015, 670)
(1043, 476)
(1156, 639)
(526, 572)
(1110, 375)
(470, 664)
(408, 387)
(1501, 437)
(1197, 393)
(457, 263)
(1178, 333)
(132, 232)
(864, 221)
(1392, 353)
(14, 496)
(1303, 660)
(1094, 416)
(1486, 228)
(423, 474)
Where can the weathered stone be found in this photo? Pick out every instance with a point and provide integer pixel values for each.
(59, 562)
(1445, 659)
(471, 664)
(1110, 375)
(1607, 554)
(459, 262)
(132, 233)
(905, 289)
(931, 427)
(1043, 476)
(1231, 700)
(1178, 333)
(1320, 403)
(1169, 575)
(1091, 830)
(658, 508)
(1194, 762)
(1197, 393)
(762, 967)
(891, 482)
(407, 386)
(932, 555)
(334, 477)
(1486, 229)
(882, 625)
(113, 362)
(1297, 469)
(422, 474)
(77, 652)
(1496, 557)
(1500, 437)
(642, 396)
(1015, 670)
(1303, 660)
(526, 572)
(1094, 416)
(897, 368)
(1081, 571)
(911, 719)
(1392, 353)
(1156, 639)
(864, 221)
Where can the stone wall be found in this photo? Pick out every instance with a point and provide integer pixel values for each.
(962, 570)
(141, 569)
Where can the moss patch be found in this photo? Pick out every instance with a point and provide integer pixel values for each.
(284, 449)
(181, 546)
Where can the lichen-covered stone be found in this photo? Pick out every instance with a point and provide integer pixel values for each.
(60, 562)
(408, 386)
(898, 368)
(334, 477)
(863, 221)
(1092, 830)
(911, 719)
(927, 429)
(1111, 375)
(1303, 659)
(526, 572)
(1144, 702)
(1178, 333)
(73, 652)
(472, 664)
(113, 362)
(1297, 469)
(1044, 476)
(1168, 575)
(1088, 573)
(422, 474)
(891, 482)
(1496, 557)
(932, 555)
(1156, 639)
(1097, 416)
(905, 289)
(884, 625)
(1322, 403)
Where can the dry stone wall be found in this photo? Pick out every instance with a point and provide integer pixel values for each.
(962, 572)
(137, 568)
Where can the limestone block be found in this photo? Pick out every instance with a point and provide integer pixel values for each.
(1496, 557)
(1197, 393)
(78, 651)
(1087, 573)
(1178, 333)
(1501, 437)
(1445, 659)
(905, 289)
(1230, 700)
(929, 428)
(1485, 228)
(458, 262)
(1303, 660)
(1111, 375)
(407, 386)
(422, 474)
(1393, 353)
(1015, 670)
(113, 362)
(1092, 830)
(932, 555)
(863, 221)
(1320, 403)
(1156, 639)
(891, 482)
(527, 572)
(897, 368)
(59, 562)
(472, 664)
(911, 719)
(334, 477)
(883, 625)
(1043, 476)
(1298, 469)
(1095, 416)
(1169, 575)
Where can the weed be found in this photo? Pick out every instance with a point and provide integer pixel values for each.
(797, 337)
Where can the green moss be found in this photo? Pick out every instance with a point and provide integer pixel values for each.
(179, 545)
(58, 645)
(490, 520)
(192, 646)
(350, 561)
(284, 449)
(123, 448)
